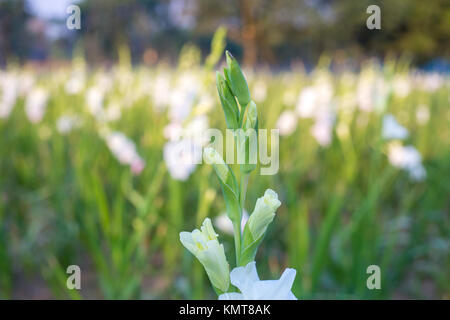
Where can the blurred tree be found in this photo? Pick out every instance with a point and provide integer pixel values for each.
(262, 31)
(14, 30)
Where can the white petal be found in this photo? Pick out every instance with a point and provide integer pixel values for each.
(187, 241)
(291, 296)
(231, 296)
(244, 277)
(275, 289)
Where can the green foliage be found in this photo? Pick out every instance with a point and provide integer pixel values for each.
(65, 199)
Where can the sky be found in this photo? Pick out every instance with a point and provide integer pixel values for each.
(50, 9)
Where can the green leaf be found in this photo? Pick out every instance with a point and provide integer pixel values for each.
(237, 82)
(228, 101)
(228, 183)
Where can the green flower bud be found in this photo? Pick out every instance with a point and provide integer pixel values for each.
(203, 244)
(252, 116)
(264, 213)
(236, 80)
(257, 224)
(228, 101)
(247, 143)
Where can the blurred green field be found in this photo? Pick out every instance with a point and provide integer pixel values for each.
(69, 194)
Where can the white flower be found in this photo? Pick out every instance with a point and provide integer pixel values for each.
(364, 93)
(430, 81)
(259, 92)
(181, 158)
(26, 82)
(36, 104)
(422, 114)
(75, 84)
(180, 105)
(307, 102)
(211, 156)
(9, 90)
(66, 123)
(225, 225)
(418, 172)
(173, 131)
(392, 129)
(287, 123)
(205, 104)
(137, 165)
(401, 86)
(161, 91)
(94, 100)
(247, 281)
(113, 112)
(204, 245)
(323, 128)
(124, 150)
(263, 214)
(407, 158)
(195, 130)
(372, 92)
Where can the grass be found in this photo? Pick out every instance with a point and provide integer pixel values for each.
(65, 199)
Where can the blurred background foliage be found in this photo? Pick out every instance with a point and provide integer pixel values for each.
(76, 106)
(260, 31)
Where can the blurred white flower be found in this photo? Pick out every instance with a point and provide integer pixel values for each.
(94, 100)
(25, 82)
(430, 81)
(422, 114)
(137, 165)
(401, 86)
(75, 84)
(195, 130)
(364, 94)
(418, 173)
(372, 92)
(324, 90)
(161, 91)
(287, 123)
(180, 104)
(181, 158)
(66, 123)
(124, 150)
(173, 131)
(224, 223)
(35, 105)
(259, 91)
(392, 129)
(407, 158)
(113, 112)
(247, 281)
(306, 102)
(322, 130)
(205, 104)
(9, 90)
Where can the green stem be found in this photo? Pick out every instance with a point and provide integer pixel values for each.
(237, 224)
(237, 240)
(243, 190)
